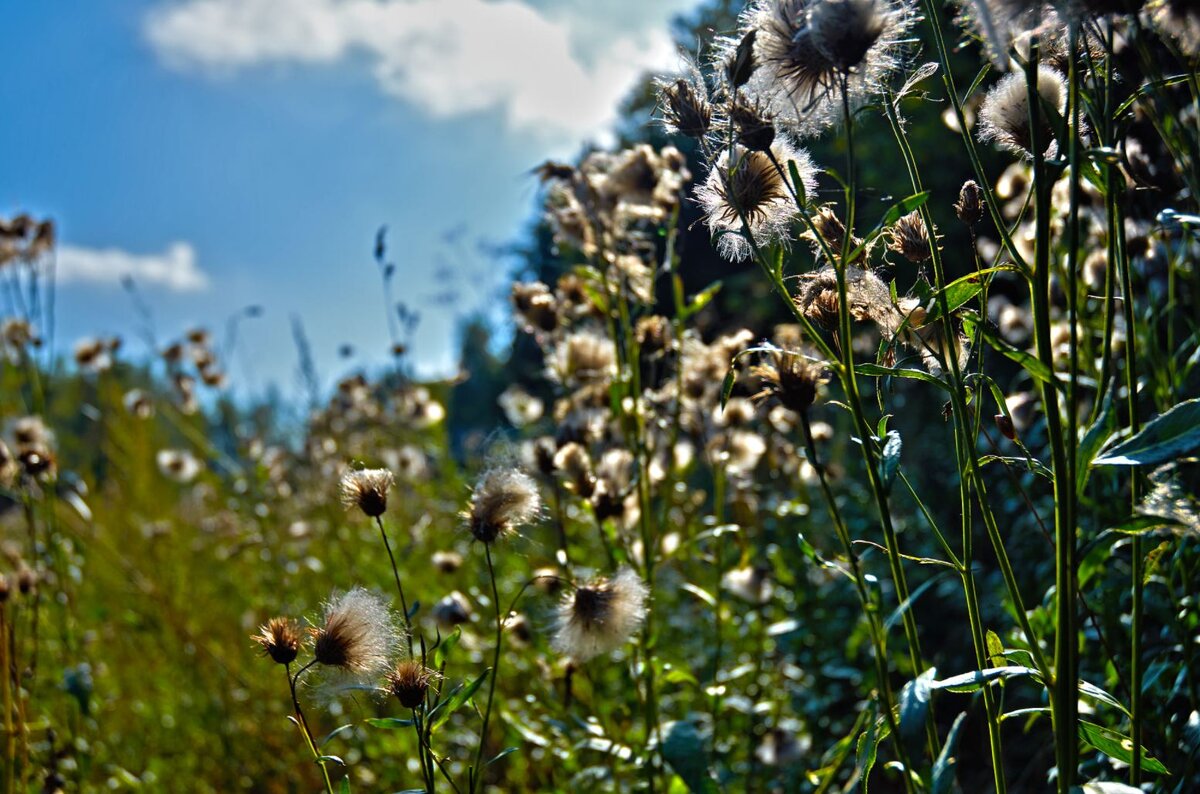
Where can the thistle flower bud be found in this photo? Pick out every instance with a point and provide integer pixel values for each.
(742, 63)
(367, 490)
(909, 238)
(279, 639)
(685, 108)
(599, 617)
(970, 205)
(755, 129)
(409, 681)
(503, 500)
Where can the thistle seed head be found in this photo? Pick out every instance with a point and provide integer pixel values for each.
(909, 238)
(503, 500)
(409, 680)
(358, 636)
(599, 617)
(279, 639)
(1004, 115)
(367, 489)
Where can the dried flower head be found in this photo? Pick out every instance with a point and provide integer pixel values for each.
(599, 617)
(970, 205)
(755, 189)
(503, 499)
(573, 462)
(446, 561)
(453, 610)
(754, 126)
(279, 638)
(409, 680)
(809, 49)
(139, 404)
(685, 106)
(367, 489)
(792, 378)
(520, 407)
(535, 305)
(866, 295)
(357, 637)
(829, 229)
(584, 357)
(909, 238)
(1004, 115)
(178, 464)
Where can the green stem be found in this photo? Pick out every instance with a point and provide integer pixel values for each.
(399, 587)
(302, 721)
(476, 768)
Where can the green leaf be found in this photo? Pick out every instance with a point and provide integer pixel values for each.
(1096, 693)
(975, 680)
(1028, 362)
(448, 644)
(330, 758)
(877, 371)
(914, 705)
(867, 751)
(995, 649)
(797, 182)
(1117, 745)
(727, 386)
(701, 299)
(891, 459)
(1166, 437)
(943, 768)
(455, 701)
(1141, 524)
(344, 786)
(684, 749)
(501, 754)
(700, 593)
(389, 723)
(961, 290)
(1094, 440)
(903, 207)
(335, 732)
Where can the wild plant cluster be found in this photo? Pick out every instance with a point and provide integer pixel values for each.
(933, 529)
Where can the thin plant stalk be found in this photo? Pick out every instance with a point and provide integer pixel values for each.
(399, 587)
(476, 767)
(302, 721)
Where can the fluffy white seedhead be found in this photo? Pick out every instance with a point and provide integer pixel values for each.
(754, 189)
(1004, 115)
(805, 49)
(357, 638)
(598, 618)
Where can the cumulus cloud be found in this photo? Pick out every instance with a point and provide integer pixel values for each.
(175, 269)
(548, 70)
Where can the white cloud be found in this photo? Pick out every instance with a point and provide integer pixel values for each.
(175, 269)
(547, 70)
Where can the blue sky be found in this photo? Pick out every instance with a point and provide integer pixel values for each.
(236, 152)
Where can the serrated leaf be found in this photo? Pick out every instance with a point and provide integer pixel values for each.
(1166, 437)
(944, 767)
(890, 461)
(1117, 745)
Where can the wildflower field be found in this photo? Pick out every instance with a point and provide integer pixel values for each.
(846, 440)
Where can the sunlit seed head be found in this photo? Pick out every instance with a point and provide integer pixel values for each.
(575, 466)
(139, 404)
(685, 105)
(809, 50)
(367, 490)
(753, 125)
(279, 638)
(600, 617)
(828, 233)
(583, 357)
(867, 297)
(909, 237)
(535, 305)
(446, 561)
(744, 185)
(792, 378)
(178, 465)
(1179, 21)
(358, 636)
(503, 500)
(1004, 115)
(409, 680)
